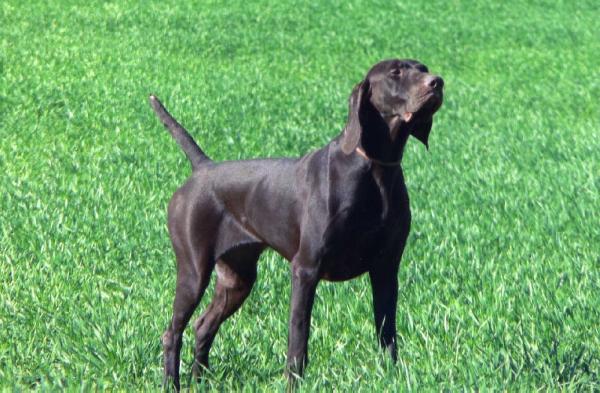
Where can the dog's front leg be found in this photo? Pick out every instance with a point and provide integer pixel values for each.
(304, 285)
(384, 283)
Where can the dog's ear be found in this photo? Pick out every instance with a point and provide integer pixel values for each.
(421, 131)
(354, 127)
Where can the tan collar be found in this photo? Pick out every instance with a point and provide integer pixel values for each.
(362, 153)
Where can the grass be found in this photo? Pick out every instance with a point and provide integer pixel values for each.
(500, 282)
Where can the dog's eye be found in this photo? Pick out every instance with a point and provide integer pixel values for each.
(396, 72)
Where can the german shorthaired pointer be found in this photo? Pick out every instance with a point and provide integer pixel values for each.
(335, 213)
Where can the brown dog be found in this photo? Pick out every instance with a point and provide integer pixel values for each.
(335, 213)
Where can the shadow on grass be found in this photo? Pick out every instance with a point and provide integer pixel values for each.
(566, 366)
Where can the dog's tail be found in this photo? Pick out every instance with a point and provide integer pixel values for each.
(181, 135)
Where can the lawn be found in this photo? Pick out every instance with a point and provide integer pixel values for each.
(500, 281)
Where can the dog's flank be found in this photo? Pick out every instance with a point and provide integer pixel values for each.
(181, 135)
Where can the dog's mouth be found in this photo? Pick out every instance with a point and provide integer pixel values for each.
(424, 106)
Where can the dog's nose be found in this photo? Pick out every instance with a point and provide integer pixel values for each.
(435, 82)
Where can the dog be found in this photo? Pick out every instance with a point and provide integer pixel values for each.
(334, 214)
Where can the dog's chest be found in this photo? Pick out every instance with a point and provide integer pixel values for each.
(362, 235)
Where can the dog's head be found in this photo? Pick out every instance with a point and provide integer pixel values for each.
(396, 96)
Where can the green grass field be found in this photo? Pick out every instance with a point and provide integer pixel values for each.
(500, 281)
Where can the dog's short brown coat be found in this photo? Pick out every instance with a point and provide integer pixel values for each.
(335, 213)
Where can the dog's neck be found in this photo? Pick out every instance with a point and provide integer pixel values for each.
(364, 155)
(383, 141)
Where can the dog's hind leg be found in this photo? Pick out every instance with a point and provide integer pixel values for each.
(195, 263)
(236, 274)
(193, 276)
